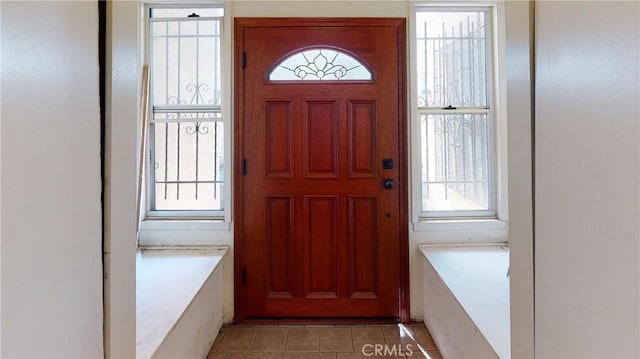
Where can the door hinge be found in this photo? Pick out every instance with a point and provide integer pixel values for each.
(244, 60)
(243, 274)
(244, 166)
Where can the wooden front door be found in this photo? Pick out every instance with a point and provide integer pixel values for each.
(320, 216)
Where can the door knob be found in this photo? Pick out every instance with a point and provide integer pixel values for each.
(387, 183)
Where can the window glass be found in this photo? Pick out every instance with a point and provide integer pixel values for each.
(454, 175)
(454, 112)
(186, 128)
(452, 59)
(185, 12)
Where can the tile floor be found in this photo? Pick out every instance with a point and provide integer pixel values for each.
(324, 342)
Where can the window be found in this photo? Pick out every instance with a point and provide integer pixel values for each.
(455, 111)
(186, 128)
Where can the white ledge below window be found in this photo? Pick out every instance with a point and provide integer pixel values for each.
(466, 299)
(178, 301)
(182, 232)
(459, 224)
(184, 225)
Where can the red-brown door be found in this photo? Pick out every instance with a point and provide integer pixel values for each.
(320, 220)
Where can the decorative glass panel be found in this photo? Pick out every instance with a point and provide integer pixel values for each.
(320, 64)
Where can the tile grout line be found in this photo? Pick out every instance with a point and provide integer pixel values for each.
(286, 342)
(353, 344)
(253, 341)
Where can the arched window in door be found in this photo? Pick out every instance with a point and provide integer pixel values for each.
(320, 64)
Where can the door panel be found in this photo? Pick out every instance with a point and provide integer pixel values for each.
(320, 121)
(279, 145)
(279, 242)
(363, 247)
(320, 238)
(317, 235)
(362, 139)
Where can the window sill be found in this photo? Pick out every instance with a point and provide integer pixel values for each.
(184, 225)
(459, 224)
(184, 232)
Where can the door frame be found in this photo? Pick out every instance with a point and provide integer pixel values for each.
(240, 24)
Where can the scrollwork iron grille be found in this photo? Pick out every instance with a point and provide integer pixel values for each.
(187, 127)
(453, 105)
(455, 148)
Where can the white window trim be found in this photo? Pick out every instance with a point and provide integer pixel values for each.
(466, 220)
(460, 224)
(175, 228)
(185, 225)
(195, 220)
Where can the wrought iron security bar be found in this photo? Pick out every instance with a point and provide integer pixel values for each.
(187, 128)
(454, 112)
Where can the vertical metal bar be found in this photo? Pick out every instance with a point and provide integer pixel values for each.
(425, 185)
(166, 100)
(485, 154)
(474, 168)
(166, 157)
(443, 67)
(441, 82)
(484, 71)
(178, 123)
(216, 66)
(426, 146)
(445, 120)
(197, 89)
(463, 117)
(455, 94)
(179, 53)
(471, 67)
(197, 143)
(178, 162)
(459, 68)
(445, 127)
(435, 78)
(454, 78)
(216, 43)
(484, 65)
(473, 81)
(426, 52)
(215, 159)
(197, 93)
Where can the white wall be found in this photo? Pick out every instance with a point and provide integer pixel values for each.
(51, 230)
(587, 162)
(123, 78)
(518, 43)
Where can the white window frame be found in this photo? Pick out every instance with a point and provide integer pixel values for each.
(496, 216)
(198, 219)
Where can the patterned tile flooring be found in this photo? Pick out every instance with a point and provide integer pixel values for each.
(324, 342)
